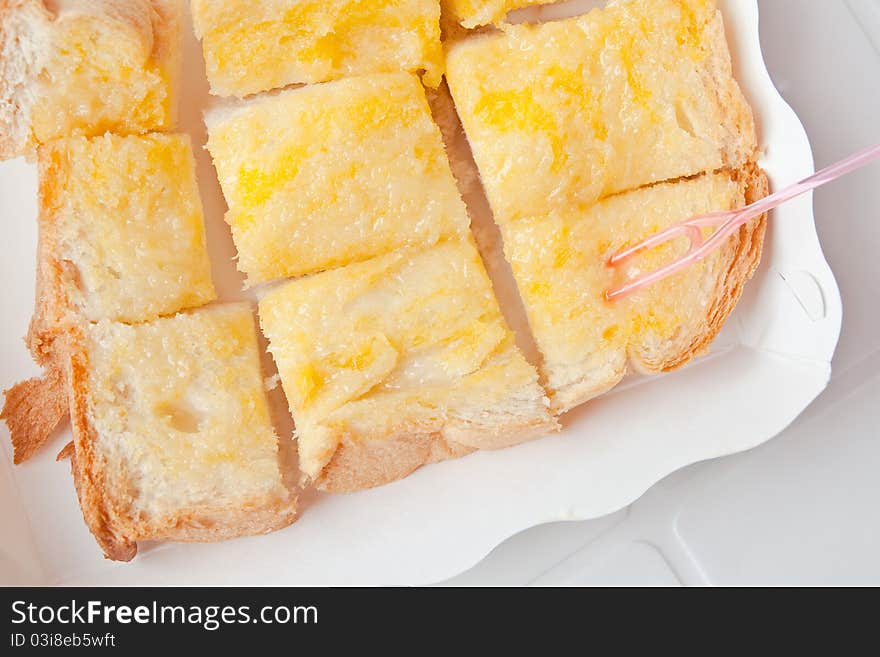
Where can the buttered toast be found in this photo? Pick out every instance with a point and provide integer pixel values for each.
(399, 361)
(260, 45)
(639, 92)
(325, 175)
(559, 262)
(587, 134)
(172, 436)
(86, 67)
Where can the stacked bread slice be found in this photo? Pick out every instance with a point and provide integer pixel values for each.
(172, 435)
(624, 121)
(398, 361)
(329, 174)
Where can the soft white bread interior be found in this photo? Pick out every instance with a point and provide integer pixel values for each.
(474, 13)
(325, 175)
(638, 92)
(399, 361)
(172, 436)
(559, 264)
(257, 45)
(121, 238)
(85, 67)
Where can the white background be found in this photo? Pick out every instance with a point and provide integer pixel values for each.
(802, 509)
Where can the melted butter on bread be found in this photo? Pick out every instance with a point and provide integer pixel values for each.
(635, 93)
(412, 341)
(257, 46)
(323, 176)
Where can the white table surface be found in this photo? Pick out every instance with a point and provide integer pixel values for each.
(802, 509)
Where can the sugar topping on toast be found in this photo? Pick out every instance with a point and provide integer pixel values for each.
(260, 45)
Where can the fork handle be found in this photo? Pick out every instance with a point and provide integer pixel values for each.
(821, 177)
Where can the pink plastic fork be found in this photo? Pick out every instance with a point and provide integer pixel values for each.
(728, 222)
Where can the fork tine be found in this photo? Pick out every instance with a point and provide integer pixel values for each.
(656, 239)
(685, 227)
(699, 249)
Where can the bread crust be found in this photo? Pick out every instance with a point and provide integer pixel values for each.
(50, 303)
(104, 504)
(33, 409)
(369, 462)
(88, 470)
(741, 145)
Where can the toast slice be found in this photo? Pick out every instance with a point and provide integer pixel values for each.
(321, 176)
(172, 436)
(86, 68)
(122, 235)
(474, 13)
(399, 361)
(121, 238)
(559, 265)
(260, 45)
(638, 92)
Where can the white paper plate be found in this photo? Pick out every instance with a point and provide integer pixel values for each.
(770, 362)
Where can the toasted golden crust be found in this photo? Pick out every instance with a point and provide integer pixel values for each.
(356, 465)
(50, 303)
(33, 410)
(359, 464)
(65, 453)
(88, 470)
(741, 144)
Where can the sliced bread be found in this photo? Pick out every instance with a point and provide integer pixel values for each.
(638, 92)
(330, 174)
(172, 435)
(559, 262)
(399, 361)
(260, 45)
